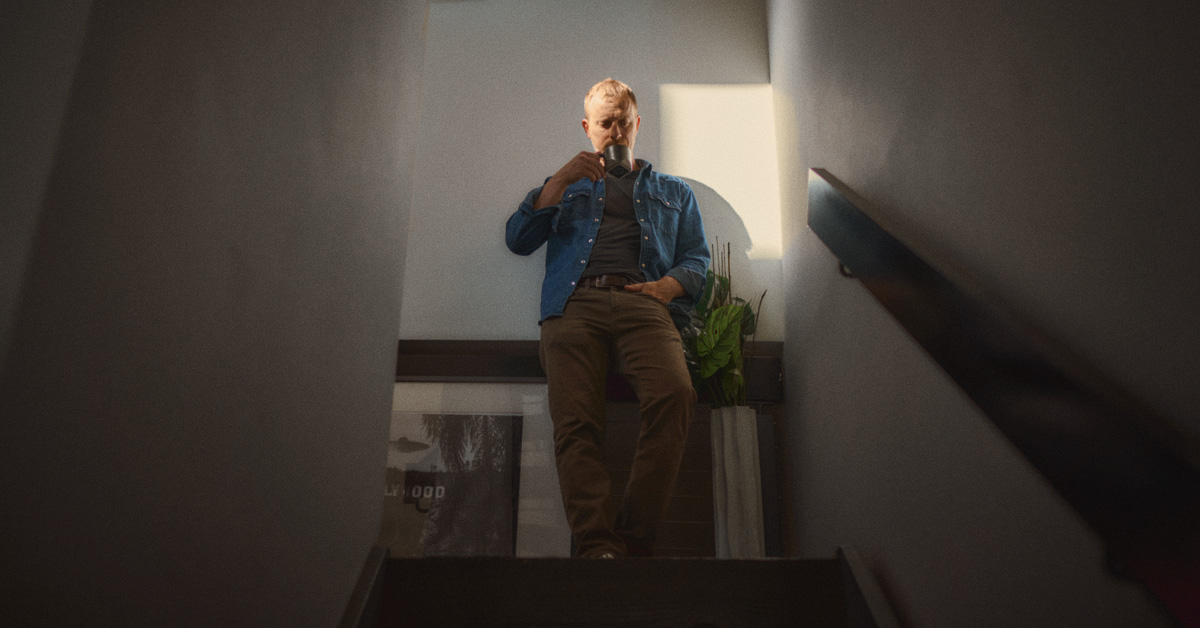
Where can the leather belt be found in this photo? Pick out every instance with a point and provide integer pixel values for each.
(604, 281)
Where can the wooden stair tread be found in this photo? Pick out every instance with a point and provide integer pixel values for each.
(573, 593)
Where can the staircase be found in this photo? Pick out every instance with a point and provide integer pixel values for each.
(619, 593)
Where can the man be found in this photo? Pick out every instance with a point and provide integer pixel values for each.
(626, 258)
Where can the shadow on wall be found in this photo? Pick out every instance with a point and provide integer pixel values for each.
(722, 223)
(750, 277)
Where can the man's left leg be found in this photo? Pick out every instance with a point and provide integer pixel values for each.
(650, 348)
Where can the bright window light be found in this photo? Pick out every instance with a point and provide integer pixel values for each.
(724, 137)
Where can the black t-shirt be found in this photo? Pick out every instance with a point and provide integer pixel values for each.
(618, 246)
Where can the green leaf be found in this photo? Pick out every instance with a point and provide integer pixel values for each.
(731, 385)
(700, 312)
(721, 339)
(749, 320)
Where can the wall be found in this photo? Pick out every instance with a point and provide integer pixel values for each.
(39, 47)
(197, 388)
(502, 105)
(1047, 147)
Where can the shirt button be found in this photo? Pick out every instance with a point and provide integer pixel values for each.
(597, 220)
(582, 261)
(573, 283)
(589, 239)
(601, 198)
(646, 238)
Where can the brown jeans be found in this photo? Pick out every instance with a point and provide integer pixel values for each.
(597, 325)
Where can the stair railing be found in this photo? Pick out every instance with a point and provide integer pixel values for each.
(1130, 473)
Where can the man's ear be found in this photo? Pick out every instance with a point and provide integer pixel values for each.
(637, 126)
(585, 125)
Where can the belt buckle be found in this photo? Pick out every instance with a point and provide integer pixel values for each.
(604, 281)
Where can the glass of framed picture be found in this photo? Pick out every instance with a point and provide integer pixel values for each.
(470, 472)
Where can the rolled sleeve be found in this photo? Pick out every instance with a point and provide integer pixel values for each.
(692, 281)
(527, 229)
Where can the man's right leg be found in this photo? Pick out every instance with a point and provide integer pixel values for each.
(574, 353)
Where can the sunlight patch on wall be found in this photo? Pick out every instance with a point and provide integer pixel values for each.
(724, 137)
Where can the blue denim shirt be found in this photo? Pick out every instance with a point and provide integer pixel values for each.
(673, 241)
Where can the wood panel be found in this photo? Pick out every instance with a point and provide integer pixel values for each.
(687, 528)
(516, 361)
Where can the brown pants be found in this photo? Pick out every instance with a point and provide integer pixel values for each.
(597, 325)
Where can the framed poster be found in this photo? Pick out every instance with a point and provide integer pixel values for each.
(452, 484)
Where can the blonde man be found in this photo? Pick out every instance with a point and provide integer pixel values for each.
(626, 258)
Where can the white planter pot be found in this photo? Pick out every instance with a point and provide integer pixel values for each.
(737, 486)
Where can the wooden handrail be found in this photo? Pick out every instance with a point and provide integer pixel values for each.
(1129, 472)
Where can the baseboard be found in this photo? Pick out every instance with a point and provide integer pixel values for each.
(866, 606)
(362, 610)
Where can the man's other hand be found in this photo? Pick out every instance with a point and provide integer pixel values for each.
(585, 164)
(664, 289)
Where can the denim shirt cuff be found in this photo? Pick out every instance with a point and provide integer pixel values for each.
(531, 198)
(691, 281)
(528, 209)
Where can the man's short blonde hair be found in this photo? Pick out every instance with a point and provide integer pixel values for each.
(611, 88)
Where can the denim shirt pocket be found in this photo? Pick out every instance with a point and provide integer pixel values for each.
(575, 208)
(663, 212)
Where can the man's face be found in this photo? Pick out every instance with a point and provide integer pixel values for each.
(611, 122)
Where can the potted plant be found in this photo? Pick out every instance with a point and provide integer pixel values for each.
(714, 340)
(714, 345)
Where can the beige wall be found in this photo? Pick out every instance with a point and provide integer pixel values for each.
(501, 111)
(196, 393)
(1047, 147)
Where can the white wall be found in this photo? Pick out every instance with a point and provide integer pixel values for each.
(196, 393)
(1047, 147)
(502, 106)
